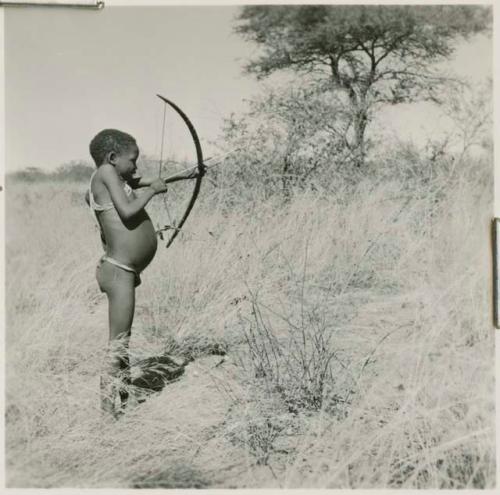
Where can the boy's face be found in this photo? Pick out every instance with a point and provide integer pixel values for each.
(125, 161)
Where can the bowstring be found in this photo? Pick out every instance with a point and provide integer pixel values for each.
(164, 196)
(162, 140)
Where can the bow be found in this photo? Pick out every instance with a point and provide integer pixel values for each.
(201, 168)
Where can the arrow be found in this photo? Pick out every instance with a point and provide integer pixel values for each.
(219, 161)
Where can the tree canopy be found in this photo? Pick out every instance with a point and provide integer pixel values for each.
(379, 54)
(342, 38)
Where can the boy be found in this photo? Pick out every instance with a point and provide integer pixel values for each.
(129, 240)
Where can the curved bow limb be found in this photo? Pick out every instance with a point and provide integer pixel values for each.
(200, 165)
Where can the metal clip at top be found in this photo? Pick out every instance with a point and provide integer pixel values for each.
(83, 4)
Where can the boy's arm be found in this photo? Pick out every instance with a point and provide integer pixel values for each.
(191, 173)
(125, 207)
(137, 182)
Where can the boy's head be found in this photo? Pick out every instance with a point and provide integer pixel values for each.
(110, 142)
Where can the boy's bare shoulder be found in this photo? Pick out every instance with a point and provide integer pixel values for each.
(106, 173)
(103, 177)
(105, 170)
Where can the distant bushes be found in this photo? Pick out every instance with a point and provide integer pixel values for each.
(74, 171)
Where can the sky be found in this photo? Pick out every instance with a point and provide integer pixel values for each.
(70, 73)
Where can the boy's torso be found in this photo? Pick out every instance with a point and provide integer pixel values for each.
(133, 241)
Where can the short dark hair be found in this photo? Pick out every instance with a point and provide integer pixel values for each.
(109, 140)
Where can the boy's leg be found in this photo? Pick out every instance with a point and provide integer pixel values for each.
(121, 315)
(118, 284)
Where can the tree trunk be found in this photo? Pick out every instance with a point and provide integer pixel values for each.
(360, 122)
(285, 179)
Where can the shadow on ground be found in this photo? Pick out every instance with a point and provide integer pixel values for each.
(176, 476)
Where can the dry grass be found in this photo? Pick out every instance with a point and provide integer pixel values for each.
(357, 327)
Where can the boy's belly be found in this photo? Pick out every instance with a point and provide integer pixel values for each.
(133, 243)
